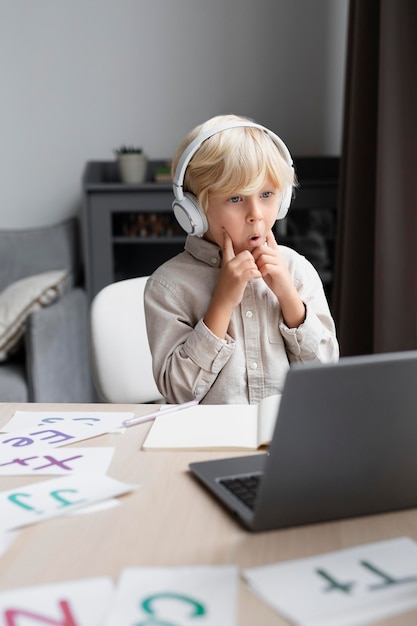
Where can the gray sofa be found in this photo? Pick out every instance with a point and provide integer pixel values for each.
(51, 361)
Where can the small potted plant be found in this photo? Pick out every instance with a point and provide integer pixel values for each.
(132, 164)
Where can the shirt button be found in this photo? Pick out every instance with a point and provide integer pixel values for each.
(214, 260)
(249, 314)
(254, 365)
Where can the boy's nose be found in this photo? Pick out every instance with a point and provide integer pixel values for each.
(254, 212)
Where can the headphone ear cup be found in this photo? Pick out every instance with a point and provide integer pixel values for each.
(190, 215)
(285, 203)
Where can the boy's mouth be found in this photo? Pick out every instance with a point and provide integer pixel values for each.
(255, 240)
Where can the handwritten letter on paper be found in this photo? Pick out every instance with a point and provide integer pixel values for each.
(100, 421)
(61, 461)
(32, 503)
(176, 596)
(73, 603)
(354, 586)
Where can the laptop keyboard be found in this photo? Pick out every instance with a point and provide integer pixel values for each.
(243, 487)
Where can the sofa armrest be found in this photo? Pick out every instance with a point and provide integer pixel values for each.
(57, 351)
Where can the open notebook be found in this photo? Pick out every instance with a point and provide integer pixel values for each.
(215, 427)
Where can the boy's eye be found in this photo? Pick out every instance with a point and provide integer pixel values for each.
(234, 199)
(266, 194)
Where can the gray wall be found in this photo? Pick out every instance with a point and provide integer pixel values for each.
(80, 77)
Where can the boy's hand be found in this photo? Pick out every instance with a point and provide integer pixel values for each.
(236, 272)
(272, 266)
(275, 273)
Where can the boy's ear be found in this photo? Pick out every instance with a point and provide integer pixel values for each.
(190, 215)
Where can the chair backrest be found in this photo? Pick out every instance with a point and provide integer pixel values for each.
(121, 359)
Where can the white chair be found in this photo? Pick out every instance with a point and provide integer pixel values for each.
(121, 359)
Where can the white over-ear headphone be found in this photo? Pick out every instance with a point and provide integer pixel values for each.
(188, 212)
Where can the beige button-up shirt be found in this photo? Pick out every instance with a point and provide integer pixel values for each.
(189, 361)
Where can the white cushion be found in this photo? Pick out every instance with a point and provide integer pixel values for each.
(20, 299)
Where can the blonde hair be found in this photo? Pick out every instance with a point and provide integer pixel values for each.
(236, 160)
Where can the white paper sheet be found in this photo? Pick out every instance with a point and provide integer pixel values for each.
(50, 436)
(96, 508)
(181, 596)
(60, 461)
(349, 587)
(102, 421)
(33, 503)
(81, 602)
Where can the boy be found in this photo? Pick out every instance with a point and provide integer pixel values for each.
(227, 316)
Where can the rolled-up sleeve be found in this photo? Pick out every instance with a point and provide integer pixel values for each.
(187, 357)
(312, 341)
(209, 352)
(315, 339)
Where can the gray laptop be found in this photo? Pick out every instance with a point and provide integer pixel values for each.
(344, 445)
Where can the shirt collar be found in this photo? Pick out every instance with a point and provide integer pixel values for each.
(204, 250)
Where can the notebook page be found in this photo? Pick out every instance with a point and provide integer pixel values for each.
(267, 416)
(205, 427)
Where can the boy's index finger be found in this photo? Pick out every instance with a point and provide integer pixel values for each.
(228, 250)
(270, 240)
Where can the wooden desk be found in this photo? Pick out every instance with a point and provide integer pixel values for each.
(171, 520)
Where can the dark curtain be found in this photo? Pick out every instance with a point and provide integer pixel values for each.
(375, 286)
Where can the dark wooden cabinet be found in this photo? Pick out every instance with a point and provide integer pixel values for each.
(129, 230)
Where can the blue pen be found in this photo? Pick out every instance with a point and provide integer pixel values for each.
(151, 416)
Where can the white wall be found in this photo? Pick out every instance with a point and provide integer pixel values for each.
(80, 77)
